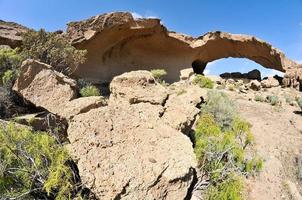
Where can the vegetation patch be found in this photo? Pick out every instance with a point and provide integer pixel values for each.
(221, 140)
(203, 82)
(259, 98)
(273, 100)
(299, 101)
(34, 166)
(90, 90)
(52, 49)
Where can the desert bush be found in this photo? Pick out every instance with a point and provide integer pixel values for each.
(53, 49)
(219, 105)
(10, 62)
(33, 165)
(259, 98)
(222, 154)
(231, 189)
(89, 90)
(158, 74)
(273, 100)
(203, 82)
(299, 101)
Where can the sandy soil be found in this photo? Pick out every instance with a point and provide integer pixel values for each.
(278, 139)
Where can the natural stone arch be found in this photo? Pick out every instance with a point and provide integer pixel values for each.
(117, 43)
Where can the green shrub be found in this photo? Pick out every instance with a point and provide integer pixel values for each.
(259, 98)
(89, 90)
(221, 150)
(203, 82)
(219, 105)
(8, 77)
(299, 101)
(32, 163)
(53, 49)
(273, 100)
(158, 74)
(230, 189)
(10, 62)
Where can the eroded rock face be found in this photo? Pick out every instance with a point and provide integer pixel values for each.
(10, 33)
(293, 78)
(127, 151)
(117, 43)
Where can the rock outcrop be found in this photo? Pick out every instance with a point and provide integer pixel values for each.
(129, 147)
(293, 78)
(117, 43)
(10, 33)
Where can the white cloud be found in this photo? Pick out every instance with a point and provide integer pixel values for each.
(206, 71)
(147, 15)
(270, 72)
(299, 61)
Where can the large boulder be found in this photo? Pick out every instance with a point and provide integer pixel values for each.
(125, 150)
(39, 84)
(269, 82)
(11, 33)
(137, 87)
(117, 43)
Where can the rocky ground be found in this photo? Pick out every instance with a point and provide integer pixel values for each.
(278, 137)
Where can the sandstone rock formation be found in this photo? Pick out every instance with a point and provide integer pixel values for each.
(255, 85)
(10, 33)
(117, 43)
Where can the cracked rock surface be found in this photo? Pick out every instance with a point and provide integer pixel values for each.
(129, 147)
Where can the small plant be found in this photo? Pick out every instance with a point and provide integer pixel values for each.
(89, 90)
(259, 98)
(219, 105)
(273, 100)
(32, 165)
(203, 82)
(231, 87)
(8, 77)
(299, 101)
(158, 74)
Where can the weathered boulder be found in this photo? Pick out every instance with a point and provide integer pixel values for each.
(185, 74)
(255, 85)
(117, 43)
(269, 82)
(11, 33)
(137, 87)
(41, 85)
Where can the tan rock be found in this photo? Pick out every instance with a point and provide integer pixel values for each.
(136, 87)
(44, 87)
(10, 33)
(269, 82)
(293, 78)
(255, 85)
(117, 43)
(181, 107)
(125, 152)
(186, 73)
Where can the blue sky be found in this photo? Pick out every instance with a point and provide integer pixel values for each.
(276, 21)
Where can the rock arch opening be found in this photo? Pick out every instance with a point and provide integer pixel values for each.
(198, 66)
